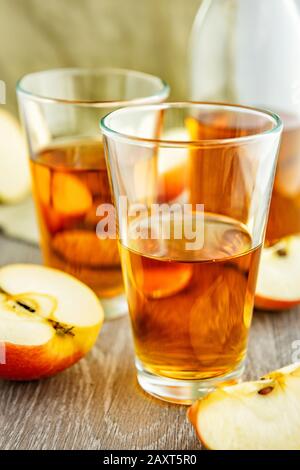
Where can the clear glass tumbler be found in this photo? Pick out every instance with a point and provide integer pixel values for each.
(60, 110)
(192, 185)
(231, 64)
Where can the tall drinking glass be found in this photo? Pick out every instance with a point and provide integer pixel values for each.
(190, 258)
(60, 111)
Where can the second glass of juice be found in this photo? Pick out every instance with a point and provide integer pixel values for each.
(60, 111)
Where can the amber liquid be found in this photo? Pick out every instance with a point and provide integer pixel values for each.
(191, 310)
(70, 181)
(215, 166)
(284, 217)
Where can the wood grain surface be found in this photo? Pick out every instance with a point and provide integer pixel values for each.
(97, 404)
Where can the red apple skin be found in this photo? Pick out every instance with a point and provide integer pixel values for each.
(268, 304)
(192, 413)
(24, 363)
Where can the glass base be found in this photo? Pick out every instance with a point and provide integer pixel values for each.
(183, 392)
(114, 307)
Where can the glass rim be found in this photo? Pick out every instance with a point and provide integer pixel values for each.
(162, 93)
(108, 131)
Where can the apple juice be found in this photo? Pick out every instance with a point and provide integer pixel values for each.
(70, 181)
(191, 309)
(284, 218)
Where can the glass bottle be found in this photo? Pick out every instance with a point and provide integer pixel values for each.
(248, 52)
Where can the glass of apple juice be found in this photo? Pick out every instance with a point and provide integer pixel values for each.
(190, 259)
(60, 110)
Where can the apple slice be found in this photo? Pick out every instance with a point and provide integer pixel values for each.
(71, 197)
(278, 284)
(259, 415)
(63, 198)
(82, 245)
(14, 166)
(48, 321)
(172, 167)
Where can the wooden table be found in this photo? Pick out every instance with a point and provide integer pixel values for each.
(97, 404)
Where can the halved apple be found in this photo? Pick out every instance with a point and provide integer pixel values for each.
(14, 166)
(48, 321)
(278, 283)
(259, 415)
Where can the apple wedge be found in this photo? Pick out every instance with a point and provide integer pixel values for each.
(61, 197)
(48, 321)
(14, 166)
(172, 167)
(259, 415)
(278, 283)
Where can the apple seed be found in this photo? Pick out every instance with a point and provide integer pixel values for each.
(281, 252)
(60, 329)
(266, 390)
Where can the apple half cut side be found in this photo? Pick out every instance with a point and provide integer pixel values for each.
(278, 283)
(14, 165)
(48, 321)
(259, 415)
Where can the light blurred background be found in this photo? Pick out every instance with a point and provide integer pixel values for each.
(146, 35)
